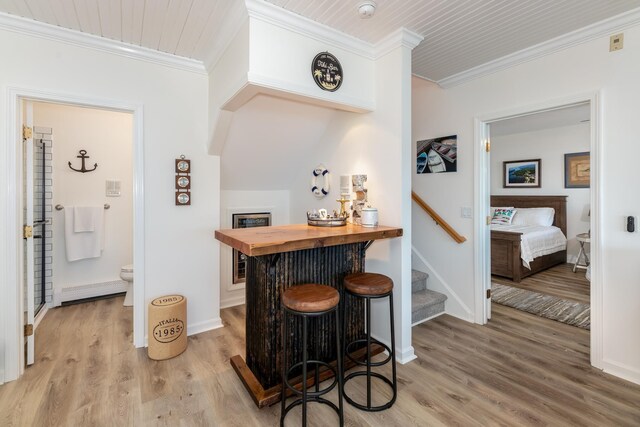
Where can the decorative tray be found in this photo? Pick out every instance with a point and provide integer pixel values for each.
(329, 221)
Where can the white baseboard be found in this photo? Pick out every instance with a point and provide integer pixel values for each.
(40, 316)
(623, 371)
(406, 355)
(197, 328)
(91, 290)
(207, 325)
(427, 319)
(403, 356)
(232, 302)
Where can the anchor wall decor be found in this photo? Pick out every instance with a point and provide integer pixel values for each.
(83, 169)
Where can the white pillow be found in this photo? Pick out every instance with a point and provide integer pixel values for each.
(534, 216)
(502, 216)
(493, 208)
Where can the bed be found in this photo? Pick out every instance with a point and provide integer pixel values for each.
(506, 256)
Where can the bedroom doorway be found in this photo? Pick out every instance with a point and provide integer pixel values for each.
(535, 160)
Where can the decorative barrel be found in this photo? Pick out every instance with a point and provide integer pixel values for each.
(167, 327)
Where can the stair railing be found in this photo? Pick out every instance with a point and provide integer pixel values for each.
(438, 219)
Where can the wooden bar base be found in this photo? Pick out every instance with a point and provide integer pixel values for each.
(268, 397)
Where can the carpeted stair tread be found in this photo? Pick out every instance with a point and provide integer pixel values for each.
(418, 280)
(426, 304)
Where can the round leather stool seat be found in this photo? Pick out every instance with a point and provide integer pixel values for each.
(368, 284)
(310, 298)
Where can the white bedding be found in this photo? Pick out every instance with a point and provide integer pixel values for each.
(537, 240)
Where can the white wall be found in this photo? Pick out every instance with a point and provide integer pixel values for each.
(288, 68)
(581, 69)
(181, 253)
(107, 136)
(233, 202)
(549, 145)
(266, 139)
(376, 144)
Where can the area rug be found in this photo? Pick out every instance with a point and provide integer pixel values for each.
(548, 306)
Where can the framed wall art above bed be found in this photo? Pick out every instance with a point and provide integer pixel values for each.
(522, 174)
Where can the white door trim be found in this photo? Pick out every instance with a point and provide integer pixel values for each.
(10, 282)
(482, 261)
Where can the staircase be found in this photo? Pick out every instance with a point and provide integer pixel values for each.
(425, 304)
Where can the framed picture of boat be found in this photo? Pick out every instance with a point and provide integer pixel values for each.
(577, 170)
(522, 174)
(437, 155)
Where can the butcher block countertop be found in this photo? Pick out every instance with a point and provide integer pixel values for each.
(258, 241)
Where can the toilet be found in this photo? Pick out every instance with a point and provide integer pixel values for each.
(126, 274)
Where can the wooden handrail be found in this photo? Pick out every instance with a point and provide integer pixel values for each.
(438, 219)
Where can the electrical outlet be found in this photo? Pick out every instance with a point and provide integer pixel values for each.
(616, 42)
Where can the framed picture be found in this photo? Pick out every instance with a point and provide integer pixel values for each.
(437, 155)
(577, 170)
(522, 174)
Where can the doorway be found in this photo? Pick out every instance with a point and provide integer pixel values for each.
(482, 247)
(14, 306)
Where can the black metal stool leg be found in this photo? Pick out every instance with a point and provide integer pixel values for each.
(317, 352)
(303, 394)
(340, 369)
(394, 379)
(368, 352)
(368, 364)
(304, 370)
(283, 397)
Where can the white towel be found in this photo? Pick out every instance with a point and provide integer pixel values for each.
(84, 218)
(83, 245)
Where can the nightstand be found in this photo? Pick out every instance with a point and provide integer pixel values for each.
(582, 239)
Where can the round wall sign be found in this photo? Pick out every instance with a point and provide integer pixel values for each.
(327, 71)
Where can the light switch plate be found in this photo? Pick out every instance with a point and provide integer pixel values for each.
(466, 212)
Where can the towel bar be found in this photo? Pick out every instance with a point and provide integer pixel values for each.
(60, 207)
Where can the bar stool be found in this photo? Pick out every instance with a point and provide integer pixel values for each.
(310, 301)
(370, 286)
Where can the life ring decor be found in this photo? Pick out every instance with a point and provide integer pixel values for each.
(320, 182)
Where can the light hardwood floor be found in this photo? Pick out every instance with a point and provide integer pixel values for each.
(518, 370)
(558, 281)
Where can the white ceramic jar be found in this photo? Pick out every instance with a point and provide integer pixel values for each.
(369, 217)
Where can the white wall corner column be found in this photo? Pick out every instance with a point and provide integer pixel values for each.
(393, 177)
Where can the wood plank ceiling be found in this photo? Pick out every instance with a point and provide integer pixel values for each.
(459, 34)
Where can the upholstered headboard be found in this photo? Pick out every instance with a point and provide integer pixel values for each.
(558, 203)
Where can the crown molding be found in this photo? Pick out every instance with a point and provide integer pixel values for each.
(399, 38)
(232, 24)
(582, 35)
(272, 14)
(33, 28)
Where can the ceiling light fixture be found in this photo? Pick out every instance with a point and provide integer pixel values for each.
(366, 9)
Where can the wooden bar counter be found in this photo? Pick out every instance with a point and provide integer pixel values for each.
(282, 256)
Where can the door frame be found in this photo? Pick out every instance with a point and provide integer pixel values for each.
(11, 323)
(482, 192)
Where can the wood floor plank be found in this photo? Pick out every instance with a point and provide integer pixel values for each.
(558, 281)
(519, 369)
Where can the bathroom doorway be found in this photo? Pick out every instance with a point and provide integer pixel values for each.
(58, 175)
(80, 168)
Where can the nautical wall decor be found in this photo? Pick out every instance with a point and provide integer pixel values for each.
(327, 71)
(320, 182)
(437, 155)
(183, 181)
(83, 156)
